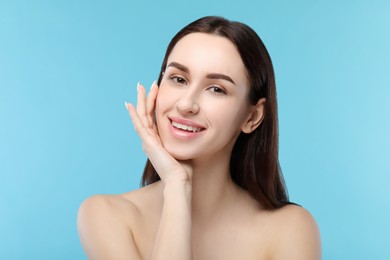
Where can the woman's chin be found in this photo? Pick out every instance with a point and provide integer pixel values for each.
(180, 155)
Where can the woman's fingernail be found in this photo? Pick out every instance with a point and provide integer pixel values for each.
(126, 104)
(153, 85)
(138, 86)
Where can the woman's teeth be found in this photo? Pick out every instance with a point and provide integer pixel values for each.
(185, 127)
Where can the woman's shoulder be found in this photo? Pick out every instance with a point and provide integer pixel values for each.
(293, 214)
(108, 224)
(295, 232)
(105, 206)
(120, 205)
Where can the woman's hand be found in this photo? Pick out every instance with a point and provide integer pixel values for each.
(167, 167)
(173, 239)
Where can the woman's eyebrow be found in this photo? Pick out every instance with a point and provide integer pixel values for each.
(178, 66)
(220, 76)
(209, 76)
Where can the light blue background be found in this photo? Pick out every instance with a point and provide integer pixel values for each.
(66, 68)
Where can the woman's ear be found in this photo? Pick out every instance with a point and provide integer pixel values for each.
(255, 117)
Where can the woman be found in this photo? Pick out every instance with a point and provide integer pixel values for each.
(213, 188)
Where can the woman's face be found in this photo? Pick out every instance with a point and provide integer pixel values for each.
(202, 103)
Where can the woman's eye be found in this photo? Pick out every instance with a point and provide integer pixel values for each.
(178, 80)
(217, 90)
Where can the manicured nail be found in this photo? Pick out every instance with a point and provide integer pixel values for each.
(153, 85)
(126, 105)
(138, 86)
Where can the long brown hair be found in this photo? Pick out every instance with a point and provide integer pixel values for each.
(254, 163)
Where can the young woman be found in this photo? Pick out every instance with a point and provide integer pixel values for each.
(213, 188)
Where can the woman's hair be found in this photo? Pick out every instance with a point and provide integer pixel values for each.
(254, 163)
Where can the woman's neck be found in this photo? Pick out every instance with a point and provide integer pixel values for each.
(212, 186)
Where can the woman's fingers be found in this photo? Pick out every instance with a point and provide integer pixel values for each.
(142, 117)
(137, 122)
(150, 103)
(160, 158)
(141, 104)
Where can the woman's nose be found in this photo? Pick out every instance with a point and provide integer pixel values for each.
(188, 103)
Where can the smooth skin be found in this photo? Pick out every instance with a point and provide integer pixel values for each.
(196, 211)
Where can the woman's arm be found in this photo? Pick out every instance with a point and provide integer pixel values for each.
(173, 239)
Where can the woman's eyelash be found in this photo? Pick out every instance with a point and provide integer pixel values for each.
(217, 90)
(178, 79)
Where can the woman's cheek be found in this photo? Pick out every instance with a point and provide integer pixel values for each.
(161, 106)
(159, 103)
(164, 99)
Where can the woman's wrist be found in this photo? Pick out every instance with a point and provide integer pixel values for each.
(174, 188)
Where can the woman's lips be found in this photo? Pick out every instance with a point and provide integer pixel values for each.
(184, 129)
(185, 122)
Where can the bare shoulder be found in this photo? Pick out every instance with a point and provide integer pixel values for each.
(104, 230)
(123, 208)
(105, 207)
(293, 215)
(296, 234)
(107, 224)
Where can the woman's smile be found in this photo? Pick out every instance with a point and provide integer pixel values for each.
(184, 129)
